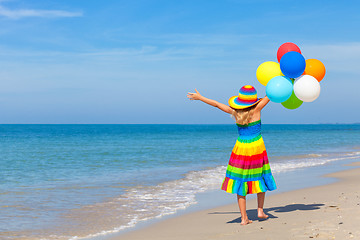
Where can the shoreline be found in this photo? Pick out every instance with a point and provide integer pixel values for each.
(321, 212)
(78, 192)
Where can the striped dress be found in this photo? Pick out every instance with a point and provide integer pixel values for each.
(249, 170)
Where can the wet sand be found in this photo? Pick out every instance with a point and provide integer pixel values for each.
(324, 212)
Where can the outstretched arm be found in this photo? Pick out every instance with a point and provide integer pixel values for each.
(262, 103)
(198, 96)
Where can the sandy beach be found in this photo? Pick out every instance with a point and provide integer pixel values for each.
(324, 212)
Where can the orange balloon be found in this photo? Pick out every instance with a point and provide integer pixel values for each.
(315, 68)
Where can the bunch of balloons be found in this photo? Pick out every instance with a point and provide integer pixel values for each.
(293, 80)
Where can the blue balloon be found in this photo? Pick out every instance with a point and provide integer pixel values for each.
(292, 64)
(279, 89)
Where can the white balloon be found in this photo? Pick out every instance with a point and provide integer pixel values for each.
(307, 88)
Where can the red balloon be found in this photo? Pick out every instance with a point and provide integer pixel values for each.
(285, 48)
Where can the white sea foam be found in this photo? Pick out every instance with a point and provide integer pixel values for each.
(353, 154)
(149, 202)
(310, 161)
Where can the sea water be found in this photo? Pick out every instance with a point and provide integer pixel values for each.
(75, 181)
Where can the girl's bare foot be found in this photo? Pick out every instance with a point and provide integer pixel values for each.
(245, 221)
(262, 215)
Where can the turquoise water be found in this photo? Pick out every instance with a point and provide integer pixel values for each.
(57, 180)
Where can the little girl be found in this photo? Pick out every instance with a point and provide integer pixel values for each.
(248, 170)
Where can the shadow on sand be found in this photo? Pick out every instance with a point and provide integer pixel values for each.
(252, 213)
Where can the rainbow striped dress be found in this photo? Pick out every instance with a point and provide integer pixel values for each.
(249, 170)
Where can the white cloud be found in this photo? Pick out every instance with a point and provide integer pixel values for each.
(134, 54)
(341, 51)
(341, 57)
(22, 13)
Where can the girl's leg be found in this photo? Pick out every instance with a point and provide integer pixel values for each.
(261, 200)
(242, 207)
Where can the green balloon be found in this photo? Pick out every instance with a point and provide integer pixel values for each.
(293, 102)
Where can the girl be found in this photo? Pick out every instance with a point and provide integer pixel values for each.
(248, 170)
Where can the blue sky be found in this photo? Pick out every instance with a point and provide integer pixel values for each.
(90, 61)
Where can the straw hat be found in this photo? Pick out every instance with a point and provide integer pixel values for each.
(247, 97)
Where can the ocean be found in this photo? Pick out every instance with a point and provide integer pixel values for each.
(83, 181)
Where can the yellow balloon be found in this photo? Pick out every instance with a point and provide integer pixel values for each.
(267, 71)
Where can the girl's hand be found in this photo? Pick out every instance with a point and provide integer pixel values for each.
(194, 96)
(198, 96)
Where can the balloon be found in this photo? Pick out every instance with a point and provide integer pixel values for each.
(307, 88)
(292, 64)
(285, 48)
(279, 89)
(267, 71)
(315, 68)
(293, 102)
